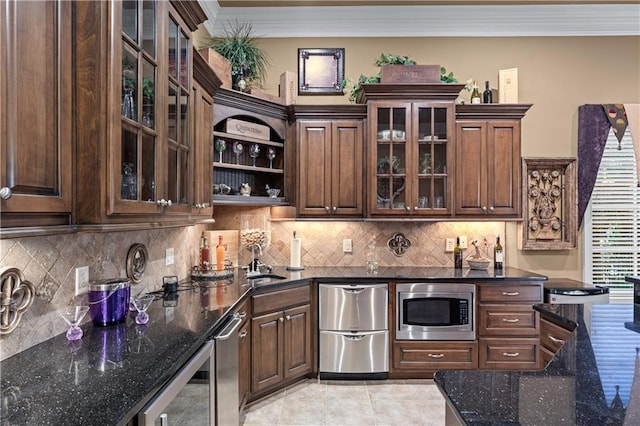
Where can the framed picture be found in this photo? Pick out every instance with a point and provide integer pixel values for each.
(550, 203)
(320, 71)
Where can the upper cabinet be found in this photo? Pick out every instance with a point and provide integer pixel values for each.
(37, 114)
(330, 161)
(410, 149)
(488, 160)
(136, 103)
(250, 160)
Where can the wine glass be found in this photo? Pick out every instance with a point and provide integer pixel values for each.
(221, 146)
(237, 151)
(271, 154)
(142, 302)
(254, 151)
(72, 315)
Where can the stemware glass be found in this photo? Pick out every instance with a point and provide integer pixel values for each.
(271, 154)
(221, 146)
(142, 302)
(72, 315)
(237, 150)
(254, 151)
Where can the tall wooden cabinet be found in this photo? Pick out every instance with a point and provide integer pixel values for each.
(36, 124)
(487, 156)
(135, 105)
(330, 159)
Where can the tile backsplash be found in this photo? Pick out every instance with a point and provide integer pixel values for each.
(49, 262)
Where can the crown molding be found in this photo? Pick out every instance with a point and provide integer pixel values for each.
(461, 20)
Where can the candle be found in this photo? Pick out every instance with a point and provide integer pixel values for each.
(296, 250)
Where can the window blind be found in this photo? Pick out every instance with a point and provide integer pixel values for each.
(612, 221)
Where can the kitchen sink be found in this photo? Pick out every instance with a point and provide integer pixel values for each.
(271, 276)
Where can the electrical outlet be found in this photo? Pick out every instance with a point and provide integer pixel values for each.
(347, 246)
(450, 245)
(168, 258)
(463, 242)
(82, 280)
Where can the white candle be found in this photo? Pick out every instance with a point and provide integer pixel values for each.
(296, 249)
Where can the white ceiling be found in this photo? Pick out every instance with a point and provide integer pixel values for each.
(431, 20)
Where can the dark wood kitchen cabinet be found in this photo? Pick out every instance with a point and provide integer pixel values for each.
(420, 359)
(488, 160)
(508, 326)
(411, 139)
(136, 153)
(37, 116)
(281, 338)
(330, 168)
(244, 352)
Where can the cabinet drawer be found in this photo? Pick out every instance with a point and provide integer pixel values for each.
(508, 320)
(281, 299)
(507, 354)
(529, 293)
(552, 336)
(435, 356)
(244, 309)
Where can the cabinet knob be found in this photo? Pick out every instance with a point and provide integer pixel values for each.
(288, 317)
(335, 209)
(5, 193)
(327, 209)
(281, 319)
(491, 208)
(408, 208)
(484, 209)
(415, 208)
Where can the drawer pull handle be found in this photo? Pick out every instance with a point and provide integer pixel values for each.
(243, 334)
(357, 337)
(555, 339)
(435, 355)
(510, 319)
(242, 315)
(511, 354)
(510, 293)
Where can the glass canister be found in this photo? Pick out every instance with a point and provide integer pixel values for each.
(109, 300)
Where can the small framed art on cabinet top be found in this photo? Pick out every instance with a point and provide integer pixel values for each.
(320, 71)
(550, 201)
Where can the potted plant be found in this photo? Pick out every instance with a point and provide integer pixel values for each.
(352, 88)
(240, 47)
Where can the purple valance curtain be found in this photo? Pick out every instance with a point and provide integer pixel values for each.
(593, 130)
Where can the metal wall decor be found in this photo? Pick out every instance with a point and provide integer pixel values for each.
(137, 258)
(398, 244)
(16, 297)
(550, 204)
(320, 71)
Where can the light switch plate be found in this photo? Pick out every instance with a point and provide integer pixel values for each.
(347, 246)
(450, 245)
(508, 86)
(463, 242)
(168, 260)
(82, 280)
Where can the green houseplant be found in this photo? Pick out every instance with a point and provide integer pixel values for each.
(351, 87)
(240, 47)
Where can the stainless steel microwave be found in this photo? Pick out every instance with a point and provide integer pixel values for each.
(435, 311)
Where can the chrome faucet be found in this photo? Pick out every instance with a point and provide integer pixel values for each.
(254, 267)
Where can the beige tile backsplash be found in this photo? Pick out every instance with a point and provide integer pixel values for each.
(49, 262)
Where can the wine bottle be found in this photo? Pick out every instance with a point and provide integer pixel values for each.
(498, 255)
(475, 95)
(204, 255)
(220, 254)
(457, 255)
(487, 95)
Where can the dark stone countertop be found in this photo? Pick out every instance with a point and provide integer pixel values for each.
(113, 372)
(594, 379)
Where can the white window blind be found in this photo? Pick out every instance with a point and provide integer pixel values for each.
(612, 221)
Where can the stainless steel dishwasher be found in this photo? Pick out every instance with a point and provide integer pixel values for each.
(354, 331)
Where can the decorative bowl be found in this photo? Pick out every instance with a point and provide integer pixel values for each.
(273, 192)
(480, 264)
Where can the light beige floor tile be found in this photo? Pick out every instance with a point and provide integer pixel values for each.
(266, 411)
(399, 412)
(349, 412)
(348, 390)
(309, 390)
(303, 412)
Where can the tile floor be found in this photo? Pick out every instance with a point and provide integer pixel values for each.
(390, 402)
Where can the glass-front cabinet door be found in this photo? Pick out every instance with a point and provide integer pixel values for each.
(410, 157)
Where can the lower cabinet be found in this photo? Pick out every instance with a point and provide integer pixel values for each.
(552, 338)
(281, 338)
(508, 327)
(420, 357)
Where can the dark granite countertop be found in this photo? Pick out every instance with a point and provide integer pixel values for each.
(109, 375)
(594, 379)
